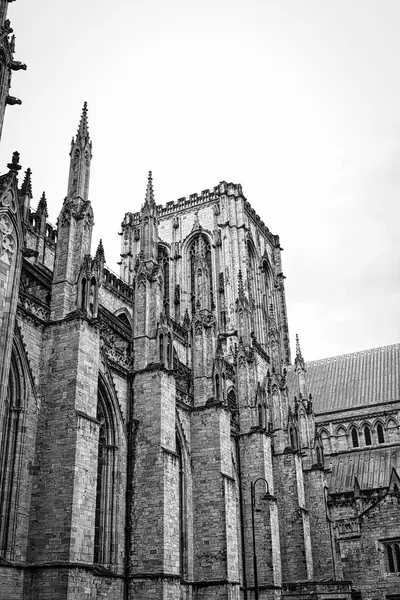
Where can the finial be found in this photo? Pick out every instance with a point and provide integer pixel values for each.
(149, 200)
(26, 188)
(42, 206)
(13, 166)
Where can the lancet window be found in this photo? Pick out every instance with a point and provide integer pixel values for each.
(201, 280)
(354, 438)
(105, 515)
(181, 508)
(10, 454)
(163, 261)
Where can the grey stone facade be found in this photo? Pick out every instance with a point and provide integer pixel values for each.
(155, 440)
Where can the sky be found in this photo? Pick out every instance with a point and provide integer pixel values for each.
(297, 100)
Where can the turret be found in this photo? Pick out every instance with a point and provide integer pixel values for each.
(75, 225)
(81, 156)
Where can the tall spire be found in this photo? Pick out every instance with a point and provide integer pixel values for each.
(149, 224)
(81, 156)
(83, 130)
(149, 199)
(26, 188)
(299, 360)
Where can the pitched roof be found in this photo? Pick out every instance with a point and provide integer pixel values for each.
(372, 468)
(352, 380)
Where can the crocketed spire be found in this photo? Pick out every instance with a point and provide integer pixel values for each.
(83, 129)
(42, 206)
(299, 360)
(26, 188)
(149, 199)
(100, 256)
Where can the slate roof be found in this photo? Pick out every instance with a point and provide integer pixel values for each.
(352, 380)
(372, 468)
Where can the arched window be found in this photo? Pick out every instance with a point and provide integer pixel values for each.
(325, 441)
(181, 508)
(392, 556)
(161, 345)
(380, 434)
(105, 515)
(201, 280)
(217, 387)
(169, 351)
(83, 293)
(163, 261)
(254, 293)
(260, 415)
(320, 455)
(293, 439)
(367, 435)
(93, 297)
(354, 437)
(223, 386)
(9, 455)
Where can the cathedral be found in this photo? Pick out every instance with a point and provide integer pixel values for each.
(157, 439)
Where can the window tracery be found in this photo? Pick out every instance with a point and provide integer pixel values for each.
(201, 280)
(163, 261)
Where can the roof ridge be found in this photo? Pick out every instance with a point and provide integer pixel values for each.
(350, 354)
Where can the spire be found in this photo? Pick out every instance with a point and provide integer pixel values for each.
(26, 188)
(149, 200)
(83, 130)
(81, 155)
(42, 206)
(299, 360)
(100, 256)
(149, 224)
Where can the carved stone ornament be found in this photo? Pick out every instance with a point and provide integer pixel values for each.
(7, 248)
(7, 197)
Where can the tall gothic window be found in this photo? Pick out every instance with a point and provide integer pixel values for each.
(163, 261)
(201, 282)
(105, 514)
(254, 293)
(10, 452)
(392, 556)
(181, 509)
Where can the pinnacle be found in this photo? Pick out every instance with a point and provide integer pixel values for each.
(26, 188)
(14, 165)
(149, 200)
(100, 251)
(298, 349)
(42, 206)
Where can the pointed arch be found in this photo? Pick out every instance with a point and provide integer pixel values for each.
(392, 430)
(254, 291)
(106, 505)
(380, 432)
(354, 437)
(163, 261)
(200, 273)
(11, 448)
(367, 434)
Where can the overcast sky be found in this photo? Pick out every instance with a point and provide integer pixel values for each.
(297, 100)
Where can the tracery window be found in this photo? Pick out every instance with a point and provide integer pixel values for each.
(106, 485)
(181, 508)
(392, 556)
(201, 280)
(254, 293)
(9, 455)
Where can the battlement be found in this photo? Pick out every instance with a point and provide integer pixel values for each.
(34, 220)
(116, 284)
(193, 201)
